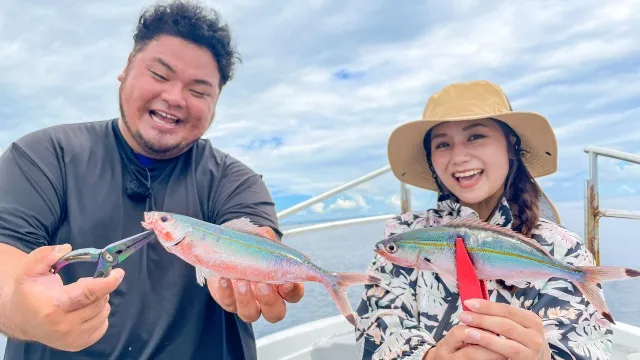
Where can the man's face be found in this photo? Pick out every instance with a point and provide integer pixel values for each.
(168, 96)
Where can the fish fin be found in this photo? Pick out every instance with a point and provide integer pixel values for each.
(594, 275)
(518, 283)
(338, 291)
(202, 275)
(424, 264)
(245, 225)
(473, 222)
(305, 255)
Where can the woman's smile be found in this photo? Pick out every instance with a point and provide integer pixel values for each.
(468, 179)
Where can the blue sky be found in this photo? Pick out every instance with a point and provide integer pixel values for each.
(323, 83)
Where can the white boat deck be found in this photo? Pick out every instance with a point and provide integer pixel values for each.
(334, 338)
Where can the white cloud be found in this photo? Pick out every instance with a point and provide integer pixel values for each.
(394, 200)
(290, 115)
(318, 207)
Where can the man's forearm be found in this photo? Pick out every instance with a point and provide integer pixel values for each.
(10, 260)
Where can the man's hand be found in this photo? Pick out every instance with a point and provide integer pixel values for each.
(455, 346)
(41, 308)
(523, 331)
(250, 299)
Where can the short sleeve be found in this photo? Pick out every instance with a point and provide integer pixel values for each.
(243, 193)
(31, 193)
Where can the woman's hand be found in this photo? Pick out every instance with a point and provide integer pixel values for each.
(523, 331)
(455, 346)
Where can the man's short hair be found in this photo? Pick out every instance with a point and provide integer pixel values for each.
(194, 23)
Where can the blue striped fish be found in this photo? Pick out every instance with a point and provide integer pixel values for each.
(240, 249)
(497, 253)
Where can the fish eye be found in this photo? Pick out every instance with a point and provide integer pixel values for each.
(164, 219)
(391, 248)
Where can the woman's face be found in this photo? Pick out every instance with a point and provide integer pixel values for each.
(471, 159)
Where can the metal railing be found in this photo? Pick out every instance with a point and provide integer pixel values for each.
(592, 212)
(336, 224)
(405, 204)
(305, 204)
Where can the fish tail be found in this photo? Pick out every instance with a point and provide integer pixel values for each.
(594, 275)
(338, 291)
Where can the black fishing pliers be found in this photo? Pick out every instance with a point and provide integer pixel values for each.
(106, 258)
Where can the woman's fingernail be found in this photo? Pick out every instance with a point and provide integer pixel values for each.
(242, 287)
(465, 318)
(471, 304)
(472, 334)
(288, 286)
(263, 288)
(224, 283)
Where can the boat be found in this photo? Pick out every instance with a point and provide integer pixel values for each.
(334, 338)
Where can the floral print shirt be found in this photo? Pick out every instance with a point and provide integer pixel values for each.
(411, 310)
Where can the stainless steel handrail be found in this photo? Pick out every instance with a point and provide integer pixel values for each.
(335, 224)
(405, 193)
(307, 203)
(592, 212)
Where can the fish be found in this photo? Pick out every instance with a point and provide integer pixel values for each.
(239, 249)
(497, 253)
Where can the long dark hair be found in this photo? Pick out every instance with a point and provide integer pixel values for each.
(520, 188)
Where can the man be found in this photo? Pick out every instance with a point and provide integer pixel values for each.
(87, 185)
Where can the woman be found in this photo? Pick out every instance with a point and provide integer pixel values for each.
(481, 157)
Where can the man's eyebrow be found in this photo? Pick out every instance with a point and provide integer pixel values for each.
(203, 82)
(168, 67)
(164, 63)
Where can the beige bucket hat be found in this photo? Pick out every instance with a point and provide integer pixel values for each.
(470, 101)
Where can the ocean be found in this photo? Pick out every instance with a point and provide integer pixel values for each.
(350, 249)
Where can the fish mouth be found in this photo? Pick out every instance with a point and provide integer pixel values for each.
(379, 248)
(148, 220)
(152, 218)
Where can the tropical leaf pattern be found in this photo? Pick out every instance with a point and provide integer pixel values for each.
(410, 310)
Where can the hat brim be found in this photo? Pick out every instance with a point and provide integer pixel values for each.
(408, 159)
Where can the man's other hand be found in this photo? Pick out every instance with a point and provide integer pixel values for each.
(251, 299)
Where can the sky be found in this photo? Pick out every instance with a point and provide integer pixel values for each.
(324, 82)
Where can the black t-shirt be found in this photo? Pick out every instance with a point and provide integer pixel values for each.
(67, 184)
